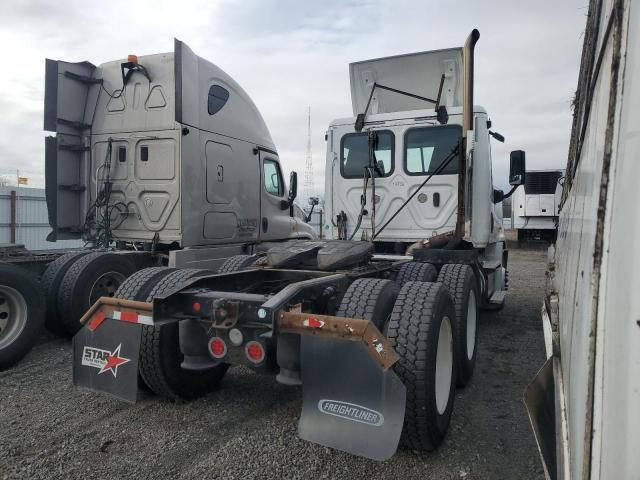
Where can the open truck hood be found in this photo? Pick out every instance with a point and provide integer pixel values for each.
(417, 73)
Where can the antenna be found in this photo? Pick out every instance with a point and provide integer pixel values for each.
(308, 168)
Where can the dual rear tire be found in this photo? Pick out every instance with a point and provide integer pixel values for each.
(460, 281)
(418, 321)
(160, 355)
(75, 280)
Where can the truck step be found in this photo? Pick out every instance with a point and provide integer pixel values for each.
(498, 297)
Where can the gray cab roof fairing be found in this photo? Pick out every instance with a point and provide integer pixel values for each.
(132, 110)
(239, 118)
(418, 73)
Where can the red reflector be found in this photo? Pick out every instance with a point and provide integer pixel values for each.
(95, 322)
(217, 347)
(313, 322)
(131, 317)
(254, 352)
(196, 306)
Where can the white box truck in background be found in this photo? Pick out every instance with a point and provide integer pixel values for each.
(535, 205)
(584, 403)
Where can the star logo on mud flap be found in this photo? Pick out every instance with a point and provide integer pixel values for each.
(103, 360)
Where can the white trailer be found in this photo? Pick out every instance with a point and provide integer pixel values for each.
(535, 205)
(584, 403)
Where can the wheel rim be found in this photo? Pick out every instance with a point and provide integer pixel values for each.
(444, 365)
(471, 324)
(105, 286)
(13, 315)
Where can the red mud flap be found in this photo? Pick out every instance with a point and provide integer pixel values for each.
(350, 402)
(106, 349)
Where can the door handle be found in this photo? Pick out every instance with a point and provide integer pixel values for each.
(220, 173)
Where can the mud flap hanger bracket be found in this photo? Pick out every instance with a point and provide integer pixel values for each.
(130, 311)
(351, 329)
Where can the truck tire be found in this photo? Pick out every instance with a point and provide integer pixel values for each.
(237, 263)
(50, 281)
(421, 331)
(160, 356)
(139, 285)
(21, 313)
(460, 282)
(369, 299)
(89, 278)
(416, 272)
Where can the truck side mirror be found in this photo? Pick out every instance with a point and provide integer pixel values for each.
(517, 168)
(293, 187)
(293, 193)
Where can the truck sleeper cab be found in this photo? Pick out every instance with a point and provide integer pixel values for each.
(156, 160)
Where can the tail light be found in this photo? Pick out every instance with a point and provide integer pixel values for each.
(254, 352)
(217, 347)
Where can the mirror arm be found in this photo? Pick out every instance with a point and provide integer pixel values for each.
(499, 195)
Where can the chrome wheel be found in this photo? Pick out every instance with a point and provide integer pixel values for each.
(471, 324)
(106, 286)
(13, 315)
(444, 365)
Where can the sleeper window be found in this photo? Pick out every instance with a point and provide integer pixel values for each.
(217, 98)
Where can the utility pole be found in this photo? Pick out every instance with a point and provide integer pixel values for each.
(308, 168)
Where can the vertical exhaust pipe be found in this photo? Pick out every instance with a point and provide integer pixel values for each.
(467, 85)
(467, 124)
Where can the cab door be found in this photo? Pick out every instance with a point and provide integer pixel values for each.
(275, 222)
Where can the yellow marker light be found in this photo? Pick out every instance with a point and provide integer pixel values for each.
(132, 59)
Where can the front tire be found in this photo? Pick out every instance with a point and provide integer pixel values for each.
(237, 263)
(421, 332)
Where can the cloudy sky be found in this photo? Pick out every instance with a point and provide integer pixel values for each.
(292, 54)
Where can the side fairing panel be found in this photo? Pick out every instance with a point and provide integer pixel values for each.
(67, 96)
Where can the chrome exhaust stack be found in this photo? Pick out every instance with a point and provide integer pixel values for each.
(467, 124)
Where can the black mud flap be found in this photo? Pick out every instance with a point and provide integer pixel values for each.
(349, 401)
(106, 359)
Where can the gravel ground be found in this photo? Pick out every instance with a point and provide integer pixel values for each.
(248, 428)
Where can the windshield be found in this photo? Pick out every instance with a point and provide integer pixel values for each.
(426, 148)
(355, 153)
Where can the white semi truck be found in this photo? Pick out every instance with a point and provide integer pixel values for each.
(535, 205)
(395, 176)
(584, 403)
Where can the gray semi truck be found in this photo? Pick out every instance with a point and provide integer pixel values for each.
(157, 160)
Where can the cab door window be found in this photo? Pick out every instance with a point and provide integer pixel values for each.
(273, 183)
